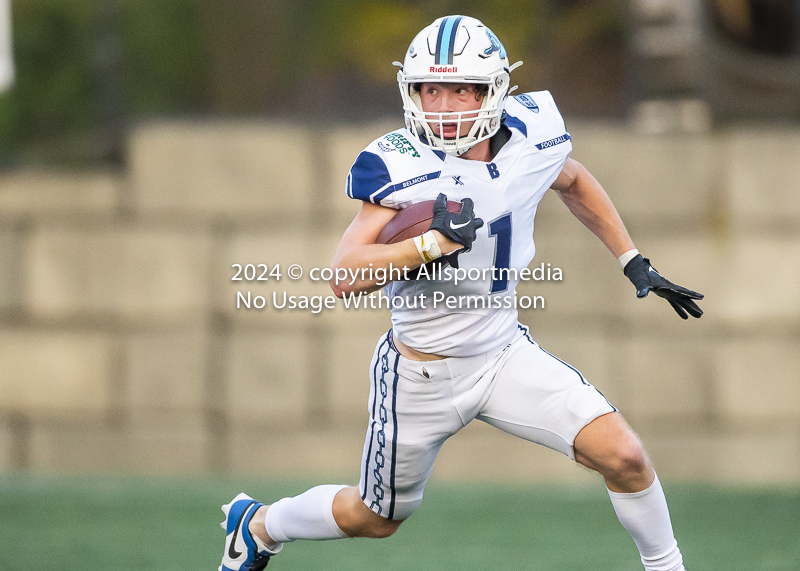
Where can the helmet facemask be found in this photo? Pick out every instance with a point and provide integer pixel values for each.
(486, 119)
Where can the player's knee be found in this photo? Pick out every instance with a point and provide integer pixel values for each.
(357, 520)
(386, 529)
(629, 458)
(378, 528)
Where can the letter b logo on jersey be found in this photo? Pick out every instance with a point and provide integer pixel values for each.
(493, 172)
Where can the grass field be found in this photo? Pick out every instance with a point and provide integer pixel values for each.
(116, 524)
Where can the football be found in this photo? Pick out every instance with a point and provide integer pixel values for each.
(412, 221)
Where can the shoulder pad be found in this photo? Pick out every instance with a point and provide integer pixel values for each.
(537, 116)
(390, 163)
(367, 177)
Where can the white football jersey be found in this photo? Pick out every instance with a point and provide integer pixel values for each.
(396, 171)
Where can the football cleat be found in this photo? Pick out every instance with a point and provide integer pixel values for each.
(241, 552)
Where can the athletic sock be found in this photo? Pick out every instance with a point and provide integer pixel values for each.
(646, 517)
(307, 516)
(262, 547)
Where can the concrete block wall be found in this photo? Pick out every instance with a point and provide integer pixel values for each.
(122, 349)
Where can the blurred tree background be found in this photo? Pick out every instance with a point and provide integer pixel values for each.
(86, 69)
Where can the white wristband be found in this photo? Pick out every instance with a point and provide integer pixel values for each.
(428, 247)
(627, 257)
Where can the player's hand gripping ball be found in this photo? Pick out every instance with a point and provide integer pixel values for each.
(646, 279)
(418, 218)
(410, 222)
(461, 227)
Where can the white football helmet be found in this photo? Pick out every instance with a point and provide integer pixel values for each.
(455, 49)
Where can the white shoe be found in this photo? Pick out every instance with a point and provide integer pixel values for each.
(241, 552)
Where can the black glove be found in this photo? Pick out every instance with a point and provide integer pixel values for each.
(461, 227)
(646, 278)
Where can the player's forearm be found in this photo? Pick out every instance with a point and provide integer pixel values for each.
(589, 203)
(369, 267)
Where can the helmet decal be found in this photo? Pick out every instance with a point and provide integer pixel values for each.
(446, 41)
(496, 45)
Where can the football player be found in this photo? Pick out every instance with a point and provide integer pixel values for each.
(439, 368)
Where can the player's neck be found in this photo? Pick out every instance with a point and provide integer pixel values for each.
(487, 150)
(480, 152)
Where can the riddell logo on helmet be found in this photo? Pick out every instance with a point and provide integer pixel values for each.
(443, 69)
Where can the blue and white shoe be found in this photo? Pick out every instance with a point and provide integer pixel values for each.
(241, 552)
